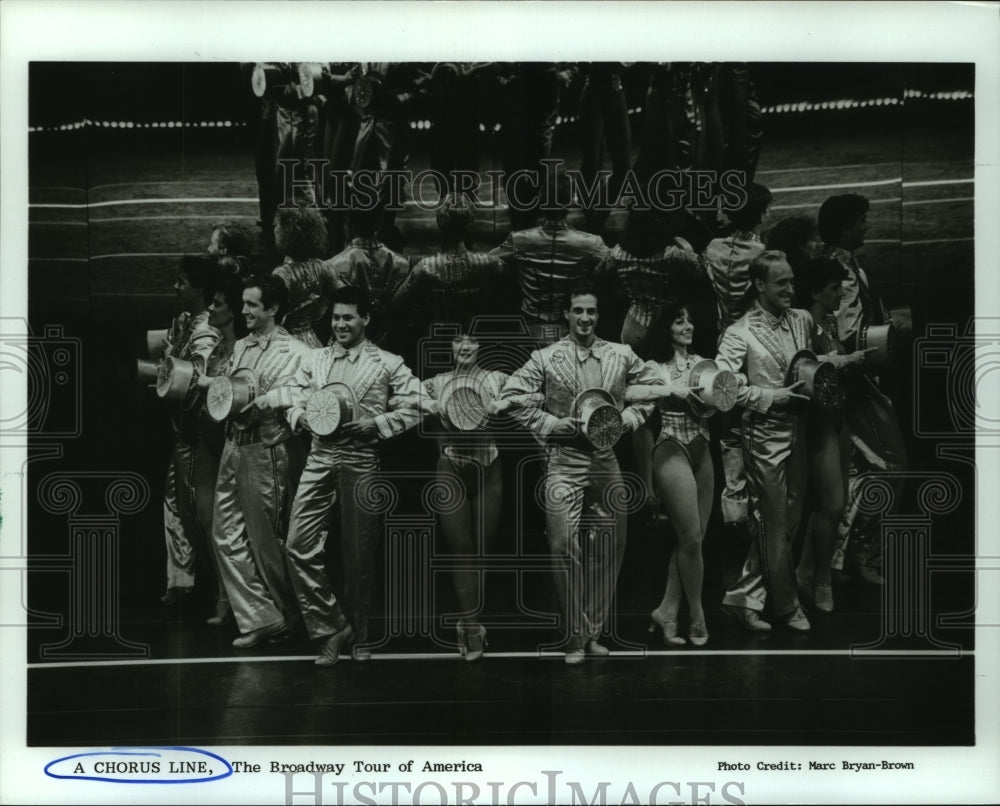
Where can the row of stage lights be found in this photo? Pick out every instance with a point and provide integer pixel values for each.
(423, 125)
(128, 124)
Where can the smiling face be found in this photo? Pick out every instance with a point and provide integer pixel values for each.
(258, 318)
(348, 325)
(682, 329)
(776, 293)
(464, 350)
(219, 313)
(582, 318)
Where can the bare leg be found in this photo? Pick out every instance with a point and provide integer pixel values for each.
(676, 482)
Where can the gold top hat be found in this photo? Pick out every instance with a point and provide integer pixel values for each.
(881, 337)
(173, 380)
(464, 404)
(308, 73)
(822, 384)
(330, 408)
(146, 371)
(719, 388)
(602, 424)
(264, 76)
(228, 395)
(156, 343)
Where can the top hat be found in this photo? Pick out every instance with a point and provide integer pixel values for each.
(308, 73)
(264, 76)
(156, 343)
(464, 404)
(882, 338)
(822, 383)
(173, 380)
(228, 395)
(146, 371)
(330, 408)
(719, 388)
(602, 424)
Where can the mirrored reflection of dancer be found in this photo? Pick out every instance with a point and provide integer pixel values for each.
(679, 472)
(651, 268)
(454, 283)
(300, 236)
(604, 124)
(370, 265)
(726, 263)
(549, 260)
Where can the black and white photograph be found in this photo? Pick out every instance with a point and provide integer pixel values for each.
(610, 419)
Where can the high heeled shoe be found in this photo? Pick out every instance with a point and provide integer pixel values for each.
(471, 644)
(668, 628)
(698, 633)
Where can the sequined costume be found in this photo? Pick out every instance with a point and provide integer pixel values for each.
(450, 286)
(337, 470)
(257, 474)
(549, 260)
(761, 346)
(186, 496)
(369, 264)
(726, 262)
(310, 283)
(648, 282)
(581, 482)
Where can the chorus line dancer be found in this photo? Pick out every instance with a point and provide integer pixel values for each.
(224, 314)
(819, 286)
(577, 475)
(872, 423)
(300, 235)
(604, 124)
(678, 470)
(186, 499)
(368, 264)
(456, 283)
(549, 259)
(652, 268)
(338, 466)
(471, 459)
(258, 471)
(761, 344)
(726, 262)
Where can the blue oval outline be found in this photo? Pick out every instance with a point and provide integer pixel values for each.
(130, 751)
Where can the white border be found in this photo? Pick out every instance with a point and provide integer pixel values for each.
(239, 31)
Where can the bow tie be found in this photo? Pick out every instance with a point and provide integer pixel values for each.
(350, 355)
